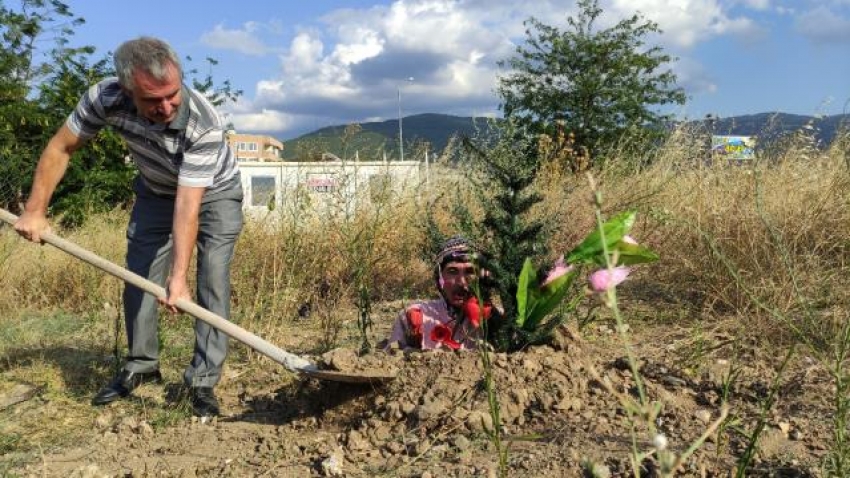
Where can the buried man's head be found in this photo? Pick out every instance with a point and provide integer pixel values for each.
(456, 270)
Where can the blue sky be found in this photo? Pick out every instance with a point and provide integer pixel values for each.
(305, 65)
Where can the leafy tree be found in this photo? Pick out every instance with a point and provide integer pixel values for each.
(23, 120)
(598, 84)
(99, 176)
(39, 88)
(218, 94)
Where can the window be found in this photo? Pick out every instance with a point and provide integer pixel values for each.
(263, 191)
(243, 146)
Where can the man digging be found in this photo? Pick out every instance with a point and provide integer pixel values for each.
(188, 194)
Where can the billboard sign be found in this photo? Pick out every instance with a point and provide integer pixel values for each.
(733, 147)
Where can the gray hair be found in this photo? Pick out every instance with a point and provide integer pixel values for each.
(147, 54)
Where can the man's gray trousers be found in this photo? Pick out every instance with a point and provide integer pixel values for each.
(149, 245)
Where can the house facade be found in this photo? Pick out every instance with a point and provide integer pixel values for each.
(254, 147)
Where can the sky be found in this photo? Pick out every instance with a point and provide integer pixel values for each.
(304, 65)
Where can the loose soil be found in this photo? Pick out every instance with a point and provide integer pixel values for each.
(433, 420)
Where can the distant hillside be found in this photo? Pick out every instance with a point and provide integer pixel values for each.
(770, 126)
(378, 138)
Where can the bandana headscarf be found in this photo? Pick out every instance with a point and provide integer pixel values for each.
(455, 249)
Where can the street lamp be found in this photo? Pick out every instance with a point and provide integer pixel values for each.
(400, 130)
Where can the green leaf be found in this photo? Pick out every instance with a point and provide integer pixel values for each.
(550, 297)
(526, 277)
(630, 254)
(590, 250)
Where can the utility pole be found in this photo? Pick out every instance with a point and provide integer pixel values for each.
(400, 129)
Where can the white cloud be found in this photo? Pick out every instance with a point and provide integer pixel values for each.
(824, 26)
(451, 54)
(365, 43)
(243, 40)
(264, 120)
(687, 22)
(351, 64)
(309, 73)
(694, 77)
(270, 91)
(305, 54)
(757, 4)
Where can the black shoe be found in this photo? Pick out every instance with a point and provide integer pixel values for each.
(124, 383)
(204, 403)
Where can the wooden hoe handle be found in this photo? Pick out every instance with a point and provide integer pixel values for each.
(290, 361)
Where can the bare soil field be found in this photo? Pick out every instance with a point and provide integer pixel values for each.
(433, 419)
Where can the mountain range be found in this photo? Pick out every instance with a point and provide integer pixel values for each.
(376, 138)
(436, 130)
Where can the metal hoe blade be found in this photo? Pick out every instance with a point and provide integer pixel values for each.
(336, 376)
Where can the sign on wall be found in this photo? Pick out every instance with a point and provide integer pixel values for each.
(733, 147)
(321, 182)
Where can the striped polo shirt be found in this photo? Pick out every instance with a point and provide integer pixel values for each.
(191, 150)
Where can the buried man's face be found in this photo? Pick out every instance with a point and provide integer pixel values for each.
(457, 279)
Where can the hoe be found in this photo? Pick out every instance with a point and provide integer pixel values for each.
(291, 361)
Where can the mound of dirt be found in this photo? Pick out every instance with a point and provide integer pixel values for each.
(435, 419)
(347, 360)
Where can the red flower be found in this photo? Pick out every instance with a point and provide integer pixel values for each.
(414, 320)
(443, 334)
(488, 309)
(472, 310)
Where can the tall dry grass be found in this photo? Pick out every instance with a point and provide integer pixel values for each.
(300, 254)
(781, 222)
(42, 278)
(312, 256)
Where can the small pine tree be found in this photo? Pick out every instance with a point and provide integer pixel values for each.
(503, 166)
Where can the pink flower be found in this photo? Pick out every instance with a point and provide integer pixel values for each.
(629, 240)
(604, 279)
(559, 270)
